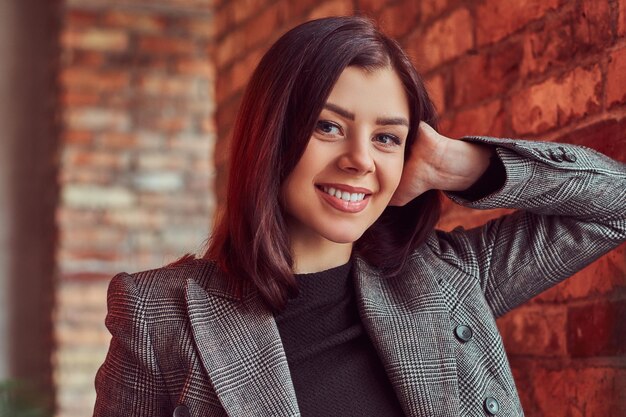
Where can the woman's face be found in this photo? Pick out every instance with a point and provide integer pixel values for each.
(353, 161)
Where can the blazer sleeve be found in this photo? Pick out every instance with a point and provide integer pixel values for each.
(129, 382)
(571, 203)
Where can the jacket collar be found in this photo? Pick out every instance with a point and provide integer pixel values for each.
(241, 350)
(407, 319)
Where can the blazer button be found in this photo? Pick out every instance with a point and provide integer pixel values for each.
(491, 406)
(463, 333)
(569, 157)
(554, 156)
(181, 411)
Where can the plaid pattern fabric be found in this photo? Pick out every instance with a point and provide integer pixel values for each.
(180, 336)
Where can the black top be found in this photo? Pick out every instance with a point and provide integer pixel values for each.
(333, 364)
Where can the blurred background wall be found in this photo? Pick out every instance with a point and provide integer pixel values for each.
(136, 173)
(115, 122)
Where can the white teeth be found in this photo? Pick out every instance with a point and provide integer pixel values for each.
(343, 195)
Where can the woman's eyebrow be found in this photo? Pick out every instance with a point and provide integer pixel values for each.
(382, 121)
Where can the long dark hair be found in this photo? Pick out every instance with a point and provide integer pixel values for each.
(277, 116)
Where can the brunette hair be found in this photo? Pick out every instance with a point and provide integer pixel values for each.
(277, 116)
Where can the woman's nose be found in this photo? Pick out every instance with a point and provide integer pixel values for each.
(357, 158)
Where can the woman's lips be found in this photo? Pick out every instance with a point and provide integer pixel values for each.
(345, 187)
(342, 205)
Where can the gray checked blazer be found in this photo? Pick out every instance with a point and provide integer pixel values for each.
(183, 344)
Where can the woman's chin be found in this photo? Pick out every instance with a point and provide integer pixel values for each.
(343, 237)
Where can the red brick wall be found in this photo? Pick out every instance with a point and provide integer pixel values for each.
(136, 85)
(547, 69)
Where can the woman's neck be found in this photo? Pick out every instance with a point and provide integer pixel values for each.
(319, 256)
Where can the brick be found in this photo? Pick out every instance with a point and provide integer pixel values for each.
(95, 159)
(166, 46)
(552, 45)
(262, 28)
(96, 118)
(90, 254)
(117, 140)
(195, 144)
(167, 85)
(432, 8)
(84, 58)
(436, 87)
(70, 217)
(332, 8)
(201, 27)
(95, 39)
(616, 78)
(96, 197)
(371, 6)
(161, 161)
(81, 19)
(557, 101)
(399, 19)
(567, 392)
(94, 81)
(231, 46)
(91, 236)
(78, 99)
(225, 115)
(80, 357)
(149, 140)
(242, 70)
(77, 137)
(496, 19)
(476, 77)
(223, 87)
(244, 9)
(170, 124)
(443, 40)
(136, 218)
(605, 276)
(92, 296)
(83, 277)
(207, 125)
(535, 330)
(293, 13)
(137, 22)
(86, 176)
(597, 329)
(197, 67)
(605, 136)
(224, 19)
(593, 25)
(486, 119)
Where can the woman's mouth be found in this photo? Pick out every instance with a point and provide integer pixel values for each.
(344, 195)
(343, 200)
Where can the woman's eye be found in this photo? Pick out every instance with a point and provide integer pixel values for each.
(328, 128)
(388, 140)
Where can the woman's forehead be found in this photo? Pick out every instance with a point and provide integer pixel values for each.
(378, 93)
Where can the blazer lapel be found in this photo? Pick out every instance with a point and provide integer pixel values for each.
(409, 325)
(241, 350)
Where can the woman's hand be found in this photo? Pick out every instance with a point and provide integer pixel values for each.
(438, 162)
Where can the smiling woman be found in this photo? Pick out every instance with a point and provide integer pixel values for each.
(326, 289)
(349, 170)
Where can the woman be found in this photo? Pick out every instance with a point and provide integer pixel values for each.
(325, 289)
